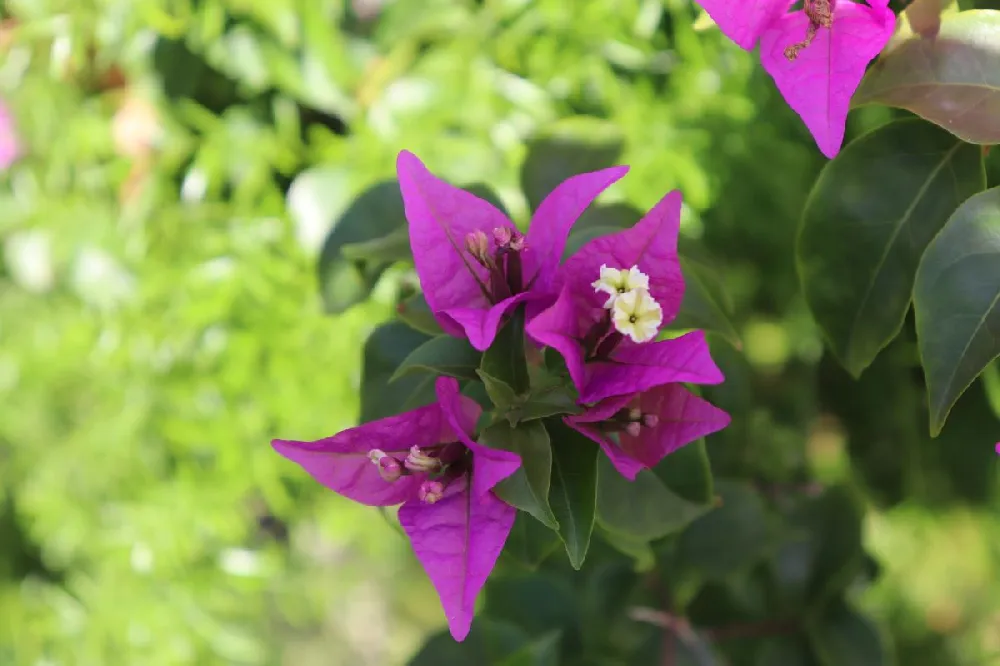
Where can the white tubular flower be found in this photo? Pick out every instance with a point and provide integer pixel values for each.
(616, 282)
(637, 315)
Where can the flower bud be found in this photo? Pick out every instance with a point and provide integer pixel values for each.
(502, 236)
(633, 429)
(517, 242)
(430, 491)
(634, 414)
(388, 467)
(650, 420)
(478, 246)
(418, 461)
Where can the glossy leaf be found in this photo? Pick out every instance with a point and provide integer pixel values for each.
(501, 393)
(871, 214)
(952, 80)
(730, 538)
(441, 355)
(645, 508)
(841, 635)
(530, 542)
(489, 642)
(640, 550)
(565, 148)
(687, 472)
(832, 522)
(528, 488)
(384, 351)
(705, 305)
(415, 313)
(375, 214)
(394, 246)
(542, 651)
(573, 494)
(957, 303)
(504, 360)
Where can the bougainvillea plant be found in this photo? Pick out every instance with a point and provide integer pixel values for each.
(602, 310)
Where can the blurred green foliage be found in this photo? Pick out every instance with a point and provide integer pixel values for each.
(162, 317)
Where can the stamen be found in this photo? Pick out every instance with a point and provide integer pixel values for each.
(650, 420)
(633, 428)
(388, 467)
(419, 461)
(820, 15)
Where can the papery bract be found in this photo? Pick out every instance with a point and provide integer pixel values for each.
(469, 285)
(457, 527)
(820, 80)
(568, 325)
(649, 425)
(743, 22)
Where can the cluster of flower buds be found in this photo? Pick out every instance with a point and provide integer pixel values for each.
(502, 261)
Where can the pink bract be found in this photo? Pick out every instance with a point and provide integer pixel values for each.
(456, 538)
(819, 83)
(442, 217)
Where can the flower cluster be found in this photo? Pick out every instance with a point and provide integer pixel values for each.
(602, 310)
(817, 55)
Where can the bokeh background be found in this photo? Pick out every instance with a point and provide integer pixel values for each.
(162, 317)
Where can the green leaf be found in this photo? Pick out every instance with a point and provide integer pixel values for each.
(638, 549)
(375, 214)
(687, 472)
(833, 522)
(705, 305)
(537, 603)
(550, 395)
(600, 220)
(501, 393)
(643, 509)
(441, 355)
(530, 542)
(489, 642)
(784, 651)
(504, 361)
(543, 651)
(394, 246)
(528, 488)
(565, 148)
(729, 539)
(957, 303)
(869, 217)
(952, 80)
(573, 495)
(384, 351)
(841, 636)
(487, 193)
(415, 313)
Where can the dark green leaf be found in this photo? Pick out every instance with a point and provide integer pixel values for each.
(638, 549)
(489, 642)
(384, 350)
(600, 220)
(377, 213)
(957, 303)
(687, 472)
(504, 360)
(833, 522)
(952, 80)
(530, 542)
(842, 636)
(871, 214)
(415, 313)
(543, 651)
(549, 396)
(441, 355)
(644, 509)
(486, 193)
(784, 651)
(573, 495)
(528, 488)
(730, 538)
(678, 647)
(501, 393)
(539, 604)
(565, 148)
(705, 305)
